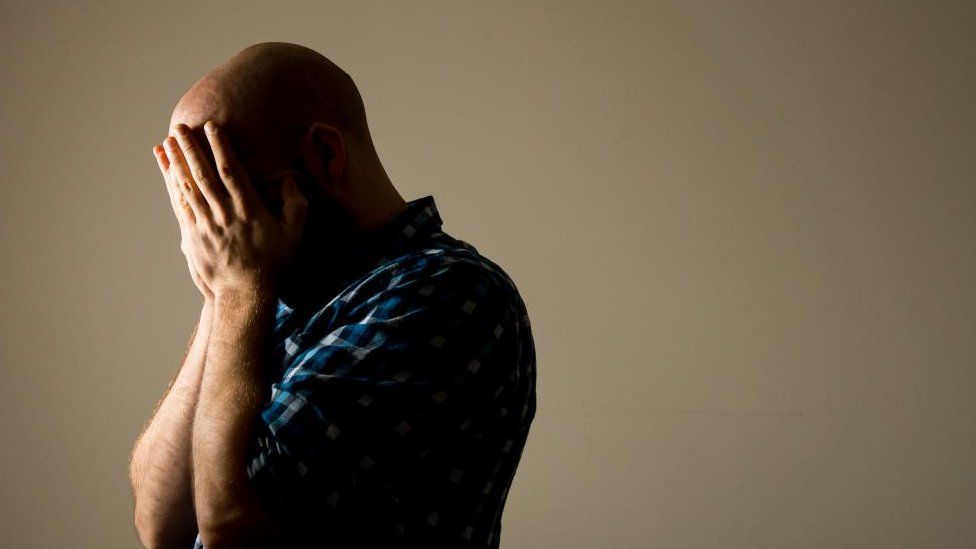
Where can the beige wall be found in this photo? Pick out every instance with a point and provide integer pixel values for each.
(746, 234)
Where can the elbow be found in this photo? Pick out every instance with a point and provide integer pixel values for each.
(212, 538)
(147, 538)
(217, 530)
(235, 519)
(228, 536)
(149, 534)
(147, 528)
(215, 535)
(243, 528)
(154, 531)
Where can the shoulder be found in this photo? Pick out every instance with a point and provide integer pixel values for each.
(445, 273)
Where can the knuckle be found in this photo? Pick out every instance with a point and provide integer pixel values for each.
(226, 171)
(199, 175)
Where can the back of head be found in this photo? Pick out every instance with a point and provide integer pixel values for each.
(268, 95)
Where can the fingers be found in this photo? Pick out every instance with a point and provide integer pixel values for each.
(242, 194)
(181, 208)
(180, 175)
(184, 216)
(202, 174)
(163, 163)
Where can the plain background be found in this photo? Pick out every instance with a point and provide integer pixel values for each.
(745, 232)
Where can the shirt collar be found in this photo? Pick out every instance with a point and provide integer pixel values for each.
(406, 230)
(416, 223)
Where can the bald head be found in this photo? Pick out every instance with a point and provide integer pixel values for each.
(286, 108)
(267, 96)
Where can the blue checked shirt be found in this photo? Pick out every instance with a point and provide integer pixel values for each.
(398, 410)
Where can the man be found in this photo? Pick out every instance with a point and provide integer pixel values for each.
(358, 377)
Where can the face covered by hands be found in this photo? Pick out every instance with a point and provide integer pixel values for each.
(236, 245)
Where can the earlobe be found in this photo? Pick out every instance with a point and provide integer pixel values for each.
(326, 151)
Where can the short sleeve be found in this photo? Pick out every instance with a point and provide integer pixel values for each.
(412, 365)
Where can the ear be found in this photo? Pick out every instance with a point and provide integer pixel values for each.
(324, 156)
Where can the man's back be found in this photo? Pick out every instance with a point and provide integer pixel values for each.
(399, 409)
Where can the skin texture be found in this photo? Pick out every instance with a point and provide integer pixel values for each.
(292, 169)
(160, 469)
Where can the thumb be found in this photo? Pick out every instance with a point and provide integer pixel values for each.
(294, 205)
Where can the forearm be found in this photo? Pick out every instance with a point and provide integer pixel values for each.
(160, 469)
(231, 396)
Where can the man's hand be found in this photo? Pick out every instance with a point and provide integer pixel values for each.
(235, 243)
(178, 203)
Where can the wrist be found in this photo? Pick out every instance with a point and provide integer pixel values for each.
(207, 313)
(243, 297)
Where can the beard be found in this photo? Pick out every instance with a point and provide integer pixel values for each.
(326, 251)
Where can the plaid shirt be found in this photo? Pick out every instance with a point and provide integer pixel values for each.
(398, 410)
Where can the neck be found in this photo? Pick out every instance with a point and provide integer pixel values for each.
(333, 240)
(372, 201)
